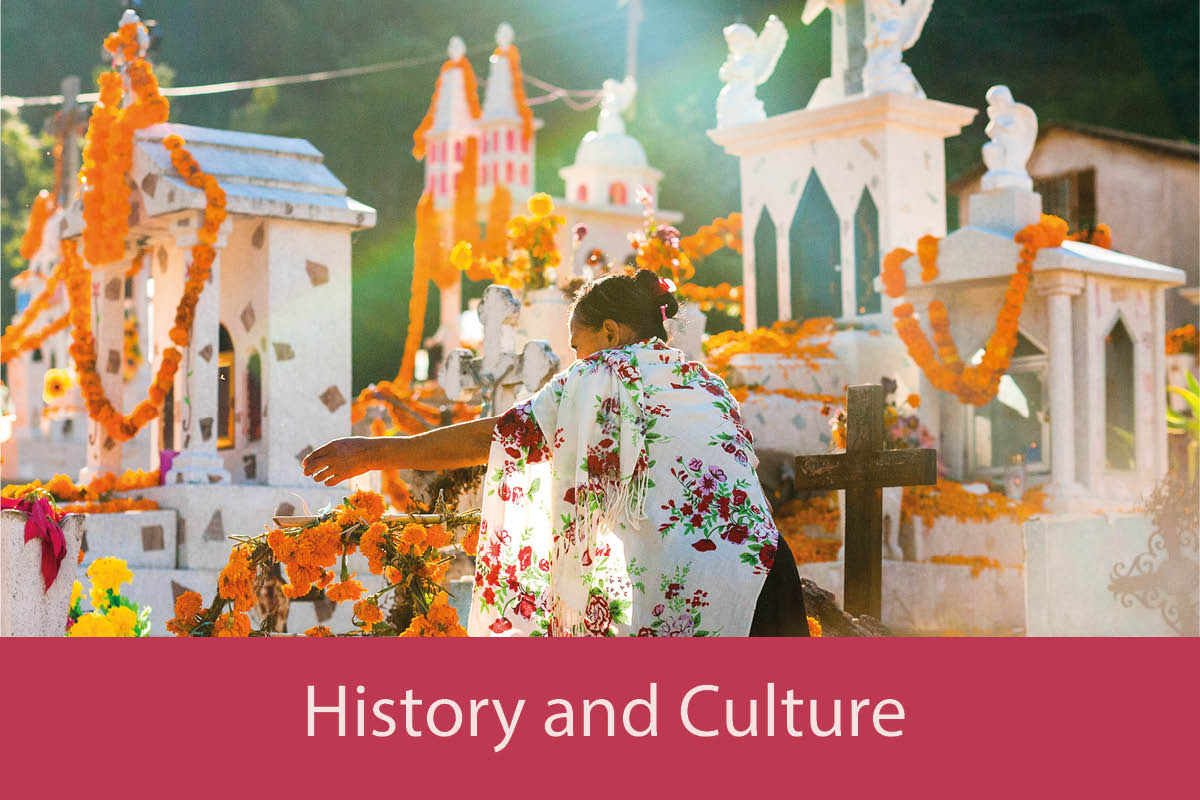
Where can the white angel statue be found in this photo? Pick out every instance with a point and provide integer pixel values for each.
(616, 96)
(750, 62)
(1012, 129)
(893, 26)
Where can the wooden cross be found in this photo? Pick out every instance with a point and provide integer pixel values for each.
(863, 470)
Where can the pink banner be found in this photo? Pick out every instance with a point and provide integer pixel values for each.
(506, 718)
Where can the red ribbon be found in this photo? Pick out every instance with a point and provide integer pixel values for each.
(43, 523)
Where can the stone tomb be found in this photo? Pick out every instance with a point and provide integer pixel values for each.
(266, 376)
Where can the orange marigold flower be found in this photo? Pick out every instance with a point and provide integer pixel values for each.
(470, 541)
(371, 504)
(188, 606)
(414, 536)
(349, 589)
(371, 545)
(368, 613)
(232, 625)
(318, 631)
(236, 581)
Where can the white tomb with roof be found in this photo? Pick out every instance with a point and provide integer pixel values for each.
(266, 376)
(825, 192)
(1082, 403)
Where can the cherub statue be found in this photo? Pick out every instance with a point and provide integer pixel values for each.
(750, 62)
(893, 26)
(615, 98)
(1012, 128)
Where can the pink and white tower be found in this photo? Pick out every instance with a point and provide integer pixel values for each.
(507, 127)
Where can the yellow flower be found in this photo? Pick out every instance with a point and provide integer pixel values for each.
(461, 257)
(108, 573)
(540, 204)
(122, 619)
(92, 624)
(76, 592)
(56, 384)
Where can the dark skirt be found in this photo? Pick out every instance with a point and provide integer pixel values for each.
(780, 607)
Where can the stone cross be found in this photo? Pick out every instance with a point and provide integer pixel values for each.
(501, 372)
(863, 470)
(67, 123)
(848, 52)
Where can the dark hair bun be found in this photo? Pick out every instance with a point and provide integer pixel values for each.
(661, 298)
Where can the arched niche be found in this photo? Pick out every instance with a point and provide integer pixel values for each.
(866, 255)
(766, 270)
(1119, 437)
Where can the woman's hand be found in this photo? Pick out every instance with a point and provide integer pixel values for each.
(342, 459)
(463, 445)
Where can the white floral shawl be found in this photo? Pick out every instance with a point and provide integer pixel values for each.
(622, 500)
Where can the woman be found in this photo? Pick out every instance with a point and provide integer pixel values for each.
(621, 499)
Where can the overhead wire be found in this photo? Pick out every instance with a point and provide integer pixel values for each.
(553, 92)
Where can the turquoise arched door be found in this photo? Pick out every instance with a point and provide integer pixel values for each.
(816, 251)
(766, 272)
(866, 255)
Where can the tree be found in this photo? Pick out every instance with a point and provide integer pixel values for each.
(26, 169)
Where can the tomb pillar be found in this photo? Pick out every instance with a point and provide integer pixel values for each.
(108, 328)
(1058, 289)
(196, 389)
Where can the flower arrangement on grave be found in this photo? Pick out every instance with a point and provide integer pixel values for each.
(1183, 340)
(112, 613)
(805, 342)
(410, 554)
(97, 497)
(530, 257)
(940, 360)
(950, 499)
(795, 517)
(977, 563)
(657, 247)
(902, 428)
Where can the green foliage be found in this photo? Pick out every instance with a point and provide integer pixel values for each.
(1178, 422)
(1107, 62)
(25, 169)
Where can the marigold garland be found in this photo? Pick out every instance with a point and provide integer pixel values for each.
(472, 95)
(63, 490)
(518, 88)
(976, 384)
(108, 154)
(494, 244)
(15, 341)
(708, 239)
(44, 205)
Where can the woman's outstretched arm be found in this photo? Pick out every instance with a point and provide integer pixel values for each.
(463, 445)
